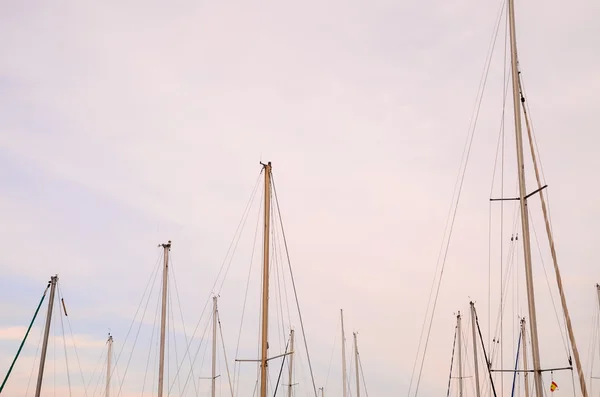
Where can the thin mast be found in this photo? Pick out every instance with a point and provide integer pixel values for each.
(38, 389)
(108, 364)
(525, 374)
(460, 366)
(265, 283)
(214, 347)
(598, 290)
(322, 391)
(356, 364)
(291, 367)
(163, 319)
(473, 327)
(344, 374)
(523, 201)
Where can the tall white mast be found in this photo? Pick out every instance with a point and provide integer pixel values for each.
(38, 389)
(523, 201)
(525, 368)
(108, 364)
(214, 347)
(460, 365)
(265, 283)
(344, 374)
(356, 364)
(291, 366)
(475, 362)
(163, 319)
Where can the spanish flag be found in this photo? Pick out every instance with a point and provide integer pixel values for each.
(553, 386)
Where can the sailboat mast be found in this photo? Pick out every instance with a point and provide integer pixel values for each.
(475, 362)
(460, 365)
(108, 364)
(163, 319)
(356, 365)
(265, 283)
(38, 389)
(523, 201)
(524, 339)
(344, 374)
(598, 291)
(214, 347)
(291, 368)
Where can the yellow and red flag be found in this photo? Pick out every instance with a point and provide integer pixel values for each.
(553, 386)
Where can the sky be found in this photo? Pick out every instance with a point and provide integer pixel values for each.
(127, 124)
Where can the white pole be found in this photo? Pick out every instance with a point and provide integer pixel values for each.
(356, 364)
(163, 319)
(523, 201)
(38, 389)
(460, 366)
(344, 375)
(108, 364)
(475, 362)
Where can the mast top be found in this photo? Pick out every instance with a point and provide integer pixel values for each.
(167, 245)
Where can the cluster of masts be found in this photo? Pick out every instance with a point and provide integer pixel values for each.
(264, 356)
(519, 111)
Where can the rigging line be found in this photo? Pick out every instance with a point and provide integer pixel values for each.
(535, 144)
(281, 368)
(116, 369)
(224, 353)
(156, 311)
(238, 233)
(231, 245)
(137, 334)
(100, 361)
(277, 295)
(202, 338)
(95, 368)
(285, 287)
(183, 324)
(451, 362)
(278, 276)
(77, 356)
(485, 356)
(454, 208)
(34, 359)
(155, 368)
(565, 345)
(24, 338)
(504, 290)
(100, 377)
(246, 295)
(287, 252)
(152, 280)
(331, 359)
(54, 353)
(362, 374)
(62, 327)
